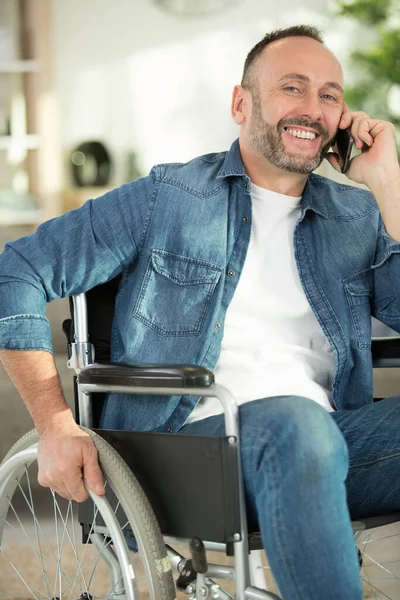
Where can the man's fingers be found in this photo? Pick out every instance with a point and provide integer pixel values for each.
(92, 472)
(75, 485)
(91, 476)
(60, 490)
(64, 460)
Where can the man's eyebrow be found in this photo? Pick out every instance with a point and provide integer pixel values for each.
(302, 77)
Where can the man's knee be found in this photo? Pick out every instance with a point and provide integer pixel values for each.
(295, 434)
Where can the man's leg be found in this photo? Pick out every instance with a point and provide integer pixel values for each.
(295, 463)
(372, 434)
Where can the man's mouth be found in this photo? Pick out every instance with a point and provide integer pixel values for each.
(302, 134)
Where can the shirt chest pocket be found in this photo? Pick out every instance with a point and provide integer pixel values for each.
(358, 290)
(176, 293)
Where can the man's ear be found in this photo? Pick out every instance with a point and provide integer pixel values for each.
(239, 105)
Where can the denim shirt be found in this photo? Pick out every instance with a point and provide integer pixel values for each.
(180, 238)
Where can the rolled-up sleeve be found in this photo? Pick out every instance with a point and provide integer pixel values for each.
(67, 256)
(386, 270)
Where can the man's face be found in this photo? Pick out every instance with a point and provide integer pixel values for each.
(296, 104)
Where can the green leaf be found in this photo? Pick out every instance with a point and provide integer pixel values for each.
(369, 12)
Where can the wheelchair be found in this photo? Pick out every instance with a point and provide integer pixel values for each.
(170, 500)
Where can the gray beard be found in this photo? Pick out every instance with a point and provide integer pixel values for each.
(267, 141)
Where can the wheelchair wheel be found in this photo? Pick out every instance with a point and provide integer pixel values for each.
(42, 555)
(379, 557)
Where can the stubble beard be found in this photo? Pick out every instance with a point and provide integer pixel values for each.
(266, 139)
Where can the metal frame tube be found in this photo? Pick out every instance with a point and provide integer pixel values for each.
(231, 412)
(109, 557)
(85, 405)
(253, 593)
(80, 318)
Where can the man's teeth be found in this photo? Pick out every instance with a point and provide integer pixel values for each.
(307, 135)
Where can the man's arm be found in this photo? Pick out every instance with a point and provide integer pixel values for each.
(377, 166)
(65, 451)
(66, 256)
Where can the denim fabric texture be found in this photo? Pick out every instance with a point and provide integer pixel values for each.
(306, 472)
(174, 235)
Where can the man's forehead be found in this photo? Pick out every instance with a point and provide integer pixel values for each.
(300, 55)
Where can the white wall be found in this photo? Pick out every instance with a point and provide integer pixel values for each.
(142, 80)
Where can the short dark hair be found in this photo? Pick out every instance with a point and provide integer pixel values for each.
(278, 34)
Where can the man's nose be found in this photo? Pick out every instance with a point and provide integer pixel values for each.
(311, 108)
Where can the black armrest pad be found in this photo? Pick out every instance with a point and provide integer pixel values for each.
(385, 352)
(185, 376)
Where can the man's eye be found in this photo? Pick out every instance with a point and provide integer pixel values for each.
(329, 97)
(291, 88)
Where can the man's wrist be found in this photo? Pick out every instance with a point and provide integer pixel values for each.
(385, 187)
(382, 180)
(55, 423)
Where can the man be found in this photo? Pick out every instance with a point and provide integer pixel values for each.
(250, 265)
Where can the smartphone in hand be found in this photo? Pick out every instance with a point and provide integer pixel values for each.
(343, 146)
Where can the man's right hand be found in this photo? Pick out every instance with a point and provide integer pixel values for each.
(66, 454)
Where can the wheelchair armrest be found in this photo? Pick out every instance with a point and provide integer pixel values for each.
(163, 376)
(385, 352)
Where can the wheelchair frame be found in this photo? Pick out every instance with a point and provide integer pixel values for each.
(81, 360)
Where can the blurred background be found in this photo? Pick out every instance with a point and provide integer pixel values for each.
(93, 93)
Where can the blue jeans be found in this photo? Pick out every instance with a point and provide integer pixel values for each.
(307, 473)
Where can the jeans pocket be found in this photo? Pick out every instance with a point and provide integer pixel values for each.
(176, 293)
(358, 290)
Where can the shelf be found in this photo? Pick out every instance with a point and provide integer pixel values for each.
(19, 66)
(30, 142)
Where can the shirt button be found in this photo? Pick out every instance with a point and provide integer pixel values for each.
(245, 219)
(218, 325)
(231, 273)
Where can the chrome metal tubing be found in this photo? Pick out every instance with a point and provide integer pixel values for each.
(85, 404)
(220, 571)
(231, 412)
(119, 543)
(253, 593)
(177, 560)
(80, 318)
(109, 557)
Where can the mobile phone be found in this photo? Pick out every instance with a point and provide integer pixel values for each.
(343, 146)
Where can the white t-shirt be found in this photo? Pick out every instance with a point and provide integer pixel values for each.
(273, 344)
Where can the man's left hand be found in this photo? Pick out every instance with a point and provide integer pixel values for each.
(377, 141)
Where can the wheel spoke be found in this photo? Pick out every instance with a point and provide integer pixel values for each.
(23, 580)
(45, 578)
(380, 565)
(38, 528)
(66, 532)
(36, 522)
(375, 589)
(62, 565)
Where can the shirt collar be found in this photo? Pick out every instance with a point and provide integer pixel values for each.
(233, 167)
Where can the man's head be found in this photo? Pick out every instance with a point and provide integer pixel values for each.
(290, 99)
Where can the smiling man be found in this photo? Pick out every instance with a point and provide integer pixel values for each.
(251, 265)
(303, 107)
